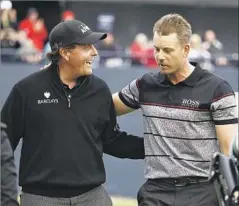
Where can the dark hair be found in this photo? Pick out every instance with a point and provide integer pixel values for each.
(55, 56)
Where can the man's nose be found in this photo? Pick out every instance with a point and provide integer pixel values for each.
(160, 57)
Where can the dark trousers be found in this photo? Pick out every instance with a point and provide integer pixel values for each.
(163, 192)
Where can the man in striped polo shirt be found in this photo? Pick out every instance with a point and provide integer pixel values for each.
(189, 114)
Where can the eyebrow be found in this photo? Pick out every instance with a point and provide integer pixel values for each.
(163, 48)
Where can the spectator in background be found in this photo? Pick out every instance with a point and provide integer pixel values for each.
(27, 51)
(34, 28)
(8, 32)
(27, 23)
(28, 41)
(109, 52)
(199, 54)
(214, 47)
(67, 15)
(9, 19)
(150, 60)
(32, 42)
(39, 34)
(138, 49)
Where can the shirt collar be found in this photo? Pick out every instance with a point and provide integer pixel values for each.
(56, 78)
(191, 80)
(79, 80)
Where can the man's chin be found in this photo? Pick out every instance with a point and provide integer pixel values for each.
(88, 72)
(163, 71)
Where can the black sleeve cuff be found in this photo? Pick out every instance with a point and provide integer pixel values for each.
(125, 146)
(122, 98)
(224, 122)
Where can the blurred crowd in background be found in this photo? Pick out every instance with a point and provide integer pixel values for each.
(26, 40)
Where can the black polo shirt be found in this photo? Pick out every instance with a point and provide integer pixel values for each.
(179, 120)
(69, 91)
(79, 81)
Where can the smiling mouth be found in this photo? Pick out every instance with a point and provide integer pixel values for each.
(161, 65)
(89, 63)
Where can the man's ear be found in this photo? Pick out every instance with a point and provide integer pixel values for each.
(64, 54)
(186, 50)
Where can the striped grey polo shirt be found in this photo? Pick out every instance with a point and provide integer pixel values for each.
(179, 120)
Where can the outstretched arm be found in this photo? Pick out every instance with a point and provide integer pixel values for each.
(120, 144)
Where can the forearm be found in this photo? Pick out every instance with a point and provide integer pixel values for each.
(225, 146)
(225, 134)
(121, 107)
(125, 146)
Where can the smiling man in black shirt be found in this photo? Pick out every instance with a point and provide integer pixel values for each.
(66, 118)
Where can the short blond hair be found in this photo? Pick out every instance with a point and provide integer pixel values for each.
(174, 23)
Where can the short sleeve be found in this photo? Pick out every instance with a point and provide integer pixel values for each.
(224, 105)
(129, 95)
